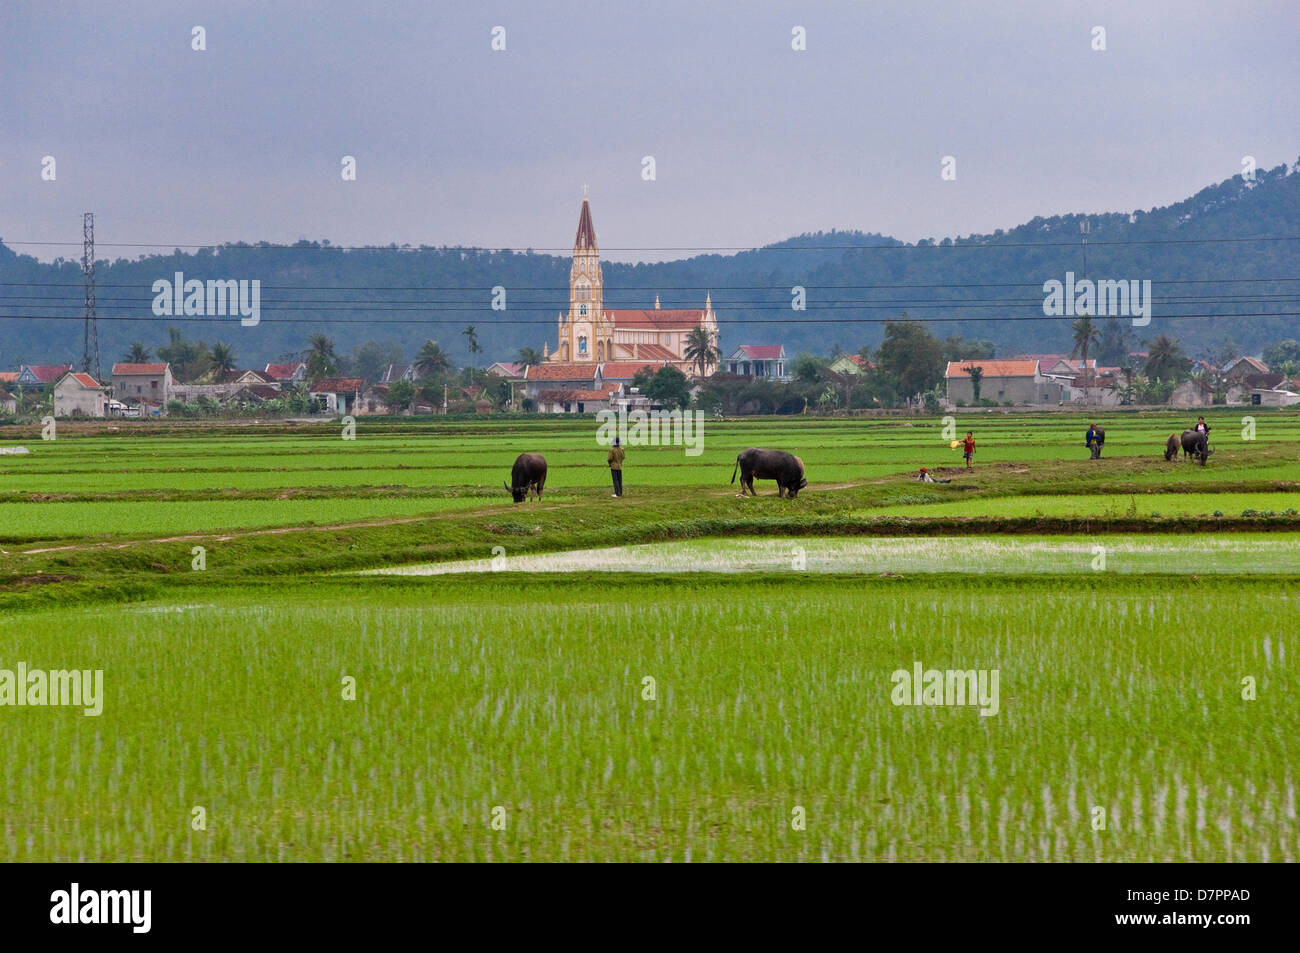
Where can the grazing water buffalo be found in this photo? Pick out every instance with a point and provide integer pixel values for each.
(1197, 445)
(529, 473)
(785, 468)
(1171, 447)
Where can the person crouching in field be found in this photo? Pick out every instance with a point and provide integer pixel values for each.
(616, 468)
(968, 449)
(1094, 439)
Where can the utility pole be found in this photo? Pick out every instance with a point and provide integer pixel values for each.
(90, 335)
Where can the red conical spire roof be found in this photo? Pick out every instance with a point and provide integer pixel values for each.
(586, 231)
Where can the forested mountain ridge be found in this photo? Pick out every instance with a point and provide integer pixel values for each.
(851, 279)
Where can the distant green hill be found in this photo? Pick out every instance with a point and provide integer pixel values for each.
(848, 276)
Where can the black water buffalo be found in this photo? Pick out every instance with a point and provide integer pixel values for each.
(1171, 447)
(785, 468)
(529, 473)
(1196, 445)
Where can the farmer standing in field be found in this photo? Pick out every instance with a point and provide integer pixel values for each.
(968, 448)
(1203, 427)
(1094, 439)
(616, 468)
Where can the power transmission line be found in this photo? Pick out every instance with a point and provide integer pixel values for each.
(177, 319)
(560, 249)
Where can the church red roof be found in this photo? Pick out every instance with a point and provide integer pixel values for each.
(656, 319)
(586, 231)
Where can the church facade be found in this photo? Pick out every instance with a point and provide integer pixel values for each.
(593, 334)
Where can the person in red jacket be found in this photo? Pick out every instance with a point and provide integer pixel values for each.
(968, 448)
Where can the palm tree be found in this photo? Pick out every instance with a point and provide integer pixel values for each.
(223, 361)
(700, 350)
(137, 353)
(431, 361)
(320, 357)
(1086, 334)
(529, 357)
(1165, 359)
(976, 376)
(471, 336)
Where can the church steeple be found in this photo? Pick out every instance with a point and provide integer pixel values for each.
(586, 231)
(585, 333)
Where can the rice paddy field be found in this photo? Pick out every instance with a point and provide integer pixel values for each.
(324, 649)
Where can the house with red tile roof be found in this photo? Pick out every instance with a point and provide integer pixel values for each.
(337, 395)
(152, 382)
(592, 334)
(766, 361)
(1003, 381)
(80, 395)
(294, 372)
(851, 364)
(40, 376)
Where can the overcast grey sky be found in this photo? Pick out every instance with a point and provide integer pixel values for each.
(753, 141)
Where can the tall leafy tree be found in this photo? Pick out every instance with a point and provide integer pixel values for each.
(137, 353)
(669, 387)
(401, 394)
(976, 378)
(189, 359)
(371, 358)
(911, 356)
(432, 361)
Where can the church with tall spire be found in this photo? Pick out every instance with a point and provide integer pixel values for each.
(592, 333)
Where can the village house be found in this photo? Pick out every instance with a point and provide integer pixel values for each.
(374, 400)
(1273, 397)
(398, 372)
(510, 370)
(8, 381)
(766, 361)
(40, 376)
(80, 395)
(854, 364)
(287, 375)
(337, 395)
(143, 383)
(1007, 382)
(1193, 392)
(1242, 370)
(254, 378)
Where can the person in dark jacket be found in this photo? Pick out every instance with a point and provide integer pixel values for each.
(615, 459)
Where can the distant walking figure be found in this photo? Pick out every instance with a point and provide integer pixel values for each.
(616, 468)
(968, 448)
